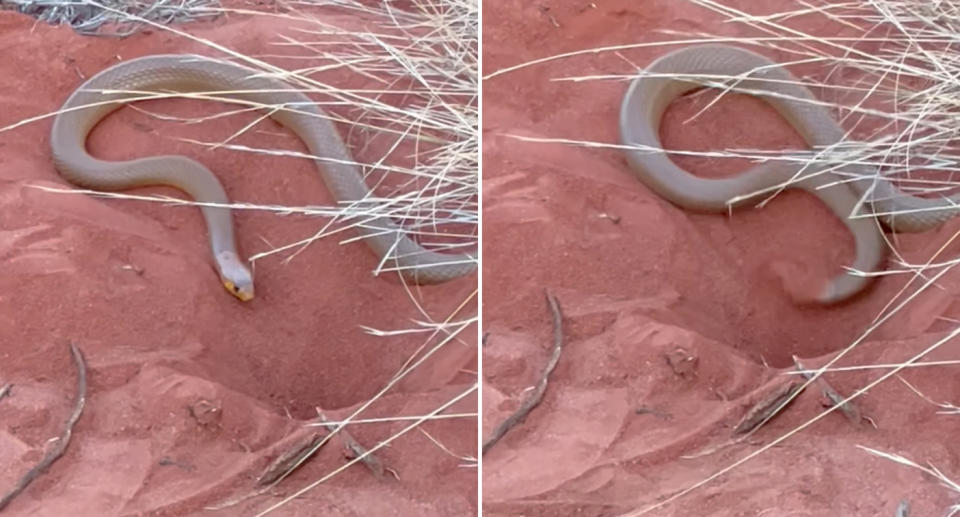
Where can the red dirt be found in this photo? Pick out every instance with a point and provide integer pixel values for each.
(639, 279)
(131, 284)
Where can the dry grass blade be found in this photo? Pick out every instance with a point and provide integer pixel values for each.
(880, 366)
(393, 419)
(929, 470)
(468, 460)
(946, 408)
(438, 74)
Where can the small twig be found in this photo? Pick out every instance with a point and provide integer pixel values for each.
(768, 407)
(354, 448)
(64, 440)
(851, 411)
(290, 460)
(536, 395)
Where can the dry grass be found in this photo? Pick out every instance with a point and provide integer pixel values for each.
(930, 470)
(93, 20)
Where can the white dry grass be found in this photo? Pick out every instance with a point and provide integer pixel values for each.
(429, 54)
(901, 109)
(930, 470)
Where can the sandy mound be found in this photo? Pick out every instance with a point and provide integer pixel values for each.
(131, 283)
(676, 323)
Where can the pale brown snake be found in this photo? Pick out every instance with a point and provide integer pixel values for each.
(190, 74)
(649, 95)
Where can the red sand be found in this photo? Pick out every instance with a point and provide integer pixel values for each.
(131, 284)
(639, 278)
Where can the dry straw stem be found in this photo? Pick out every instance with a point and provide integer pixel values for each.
(879, 366)
(929, 470)
(388, 419)
(901, 107)
(946, 408)
(469, 461)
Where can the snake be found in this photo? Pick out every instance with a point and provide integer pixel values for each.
(140, 78)
(681, 71)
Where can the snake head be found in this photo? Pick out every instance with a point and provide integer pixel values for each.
(236, 277)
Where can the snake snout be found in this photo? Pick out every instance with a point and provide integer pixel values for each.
(236, 278)
(243, 292)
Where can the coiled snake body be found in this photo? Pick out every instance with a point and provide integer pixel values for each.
(191, 74)
(649, 95)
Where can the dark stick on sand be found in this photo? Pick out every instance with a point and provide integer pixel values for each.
(61, 446)
(537, 394)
